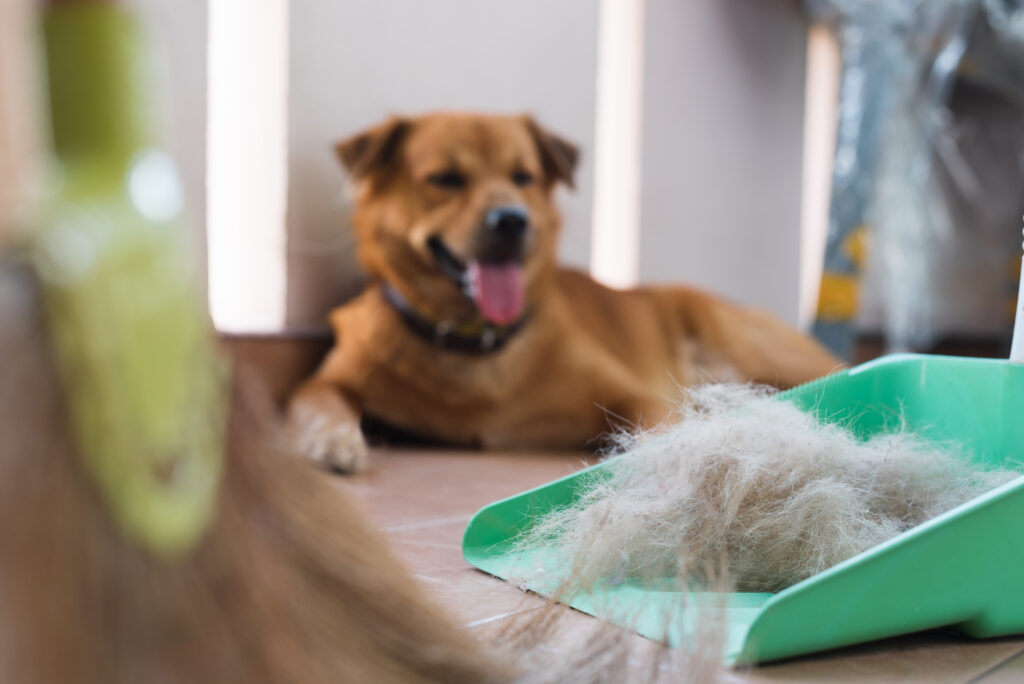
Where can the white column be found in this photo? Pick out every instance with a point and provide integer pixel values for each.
(821, 99)
(247, 163)
(615, 242)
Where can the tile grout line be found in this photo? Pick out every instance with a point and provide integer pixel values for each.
(436, 522)
(500, 616)
(981, 676)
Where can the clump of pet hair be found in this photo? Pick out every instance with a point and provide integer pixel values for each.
(755, 489)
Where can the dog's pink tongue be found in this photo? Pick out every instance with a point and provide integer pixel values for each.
(497, 290)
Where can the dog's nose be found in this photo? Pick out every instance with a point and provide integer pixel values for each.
(508, 222)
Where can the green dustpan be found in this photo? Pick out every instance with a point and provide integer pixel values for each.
(963, 569)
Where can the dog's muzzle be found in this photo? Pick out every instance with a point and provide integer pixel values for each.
(493, 274)
(503, 235)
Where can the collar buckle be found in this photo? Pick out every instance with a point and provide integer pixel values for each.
(489, 337)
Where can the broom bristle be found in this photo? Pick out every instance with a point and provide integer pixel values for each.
(288, 585)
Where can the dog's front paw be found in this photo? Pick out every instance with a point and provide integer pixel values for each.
(338, 446)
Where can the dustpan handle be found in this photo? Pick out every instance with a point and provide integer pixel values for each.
(1017, 348)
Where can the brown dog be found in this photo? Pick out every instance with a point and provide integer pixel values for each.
(473, 335)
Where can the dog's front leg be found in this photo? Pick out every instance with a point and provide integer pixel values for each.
(324, 425)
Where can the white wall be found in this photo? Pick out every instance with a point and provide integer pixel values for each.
(20, 109)
(722, 118)
(177, 33)
(353, 63)
(723, 127)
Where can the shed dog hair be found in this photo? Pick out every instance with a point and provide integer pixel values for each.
(756, 488)
(470, 333)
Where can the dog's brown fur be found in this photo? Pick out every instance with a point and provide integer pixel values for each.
(588, 354)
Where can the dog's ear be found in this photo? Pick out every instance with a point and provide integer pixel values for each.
(558, 156)
(374, 151)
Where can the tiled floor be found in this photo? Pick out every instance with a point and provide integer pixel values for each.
(423, 500)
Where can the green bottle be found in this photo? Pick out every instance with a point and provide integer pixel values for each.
(128, 326)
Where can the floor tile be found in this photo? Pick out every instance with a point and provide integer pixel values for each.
(1010, 671)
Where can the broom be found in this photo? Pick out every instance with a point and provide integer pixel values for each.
(151, 530)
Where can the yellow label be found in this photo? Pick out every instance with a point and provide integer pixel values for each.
(855, 246)
(838, 299)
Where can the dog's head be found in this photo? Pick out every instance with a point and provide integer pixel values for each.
(456, 210)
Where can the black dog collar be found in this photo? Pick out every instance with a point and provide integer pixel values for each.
(478, 339)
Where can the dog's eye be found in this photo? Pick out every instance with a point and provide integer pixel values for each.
(522, 178)
(447, 180)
